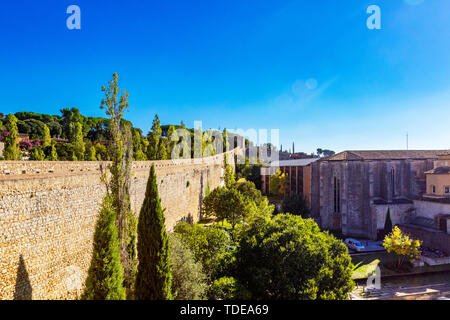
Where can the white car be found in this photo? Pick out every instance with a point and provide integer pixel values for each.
(354, 244)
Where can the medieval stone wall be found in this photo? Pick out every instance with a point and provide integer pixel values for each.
(48, 212)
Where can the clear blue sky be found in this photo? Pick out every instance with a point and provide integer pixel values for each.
(309, 68)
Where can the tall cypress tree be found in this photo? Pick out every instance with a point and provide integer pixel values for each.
(12, 150)
(105, 275)
(388, 223)
(154, 275)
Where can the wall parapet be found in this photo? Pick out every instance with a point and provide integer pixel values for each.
(13, 170)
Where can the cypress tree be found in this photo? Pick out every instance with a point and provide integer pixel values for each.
(388, 223)
(105, 275)
(12, 150)
(154, 275)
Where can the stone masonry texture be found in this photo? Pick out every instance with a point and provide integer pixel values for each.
(48, 212)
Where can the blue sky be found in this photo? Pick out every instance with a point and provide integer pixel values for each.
(309, 68)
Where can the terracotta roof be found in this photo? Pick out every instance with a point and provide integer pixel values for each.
(386, 155)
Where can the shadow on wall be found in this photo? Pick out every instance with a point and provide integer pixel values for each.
(23, 289)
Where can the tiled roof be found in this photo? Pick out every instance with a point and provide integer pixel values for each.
(386, 155)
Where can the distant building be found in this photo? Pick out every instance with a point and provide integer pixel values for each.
(297, 171)
(438, 179)
(2, 147)
(352, 191)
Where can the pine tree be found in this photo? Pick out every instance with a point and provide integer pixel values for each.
(154, 275)
(105, 275)
(388, 223)
(12, 150)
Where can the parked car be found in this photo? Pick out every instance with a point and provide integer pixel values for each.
(354, 244)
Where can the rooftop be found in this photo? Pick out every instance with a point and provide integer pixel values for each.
(292, 163)
(386, 155)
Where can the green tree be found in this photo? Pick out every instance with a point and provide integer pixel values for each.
(154, 274)
(105, 275)
(229, 176)
(289, 258)
(118, 187)
(77, 140)
(388, 223)
(53, 155)
(172, 139)
(162, 150)
(208, 244)
(139, 154)
(188, 278)
(228, 204)
(46, 138)
(91, 155)
(153, 139)
(12, 150)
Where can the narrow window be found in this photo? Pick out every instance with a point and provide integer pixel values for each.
(433, 189)
(447, 190)
(393, 182)
(337, 195)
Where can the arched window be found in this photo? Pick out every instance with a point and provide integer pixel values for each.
(393, 182)
(337, 195)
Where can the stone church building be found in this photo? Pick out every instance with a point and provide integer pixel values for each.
(352, 191)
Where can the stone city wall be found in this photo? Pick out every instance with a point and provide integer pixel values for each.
(48, 212)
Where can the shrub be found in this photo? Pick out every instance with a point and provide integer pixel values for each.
(208, 244)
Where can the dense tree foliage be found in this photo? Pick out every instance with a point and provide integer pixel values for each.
(209, 245)
(188, 278)
(288, 257)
